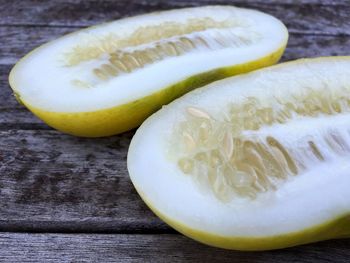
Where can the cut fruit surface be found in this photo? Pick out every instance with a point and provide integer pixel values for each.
(253, 162)
(107, 79)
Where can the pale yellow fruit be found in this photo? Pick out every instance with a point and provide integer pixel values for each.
(253, 162)
(107, 79)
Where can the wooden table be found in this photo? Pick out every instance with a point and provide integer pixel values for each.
(70, 199)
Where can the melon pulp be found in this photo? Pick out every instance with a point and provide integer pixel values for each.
(253, 162)
(107, 79)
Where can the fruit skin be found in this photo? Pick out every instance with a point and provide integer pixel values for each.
(335, 229)
(125, 117)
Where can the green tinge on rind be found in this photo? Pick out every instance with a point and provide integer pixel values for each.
(333, 229)
(125, 117)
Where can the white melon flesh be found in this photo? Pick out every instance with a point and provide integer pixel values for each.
(119, 62)
(261, 155)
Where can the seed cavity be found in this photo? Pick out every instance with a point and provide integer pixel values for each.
(144, 55)
(151, 44)
(93, 47)
(236, 160)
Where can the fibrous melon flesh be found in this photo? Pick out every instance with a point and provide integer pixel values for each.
(254, 162)
(107, 79)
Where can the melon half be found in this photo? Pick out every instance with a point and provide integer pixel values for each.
(107, 79)
(253, 162)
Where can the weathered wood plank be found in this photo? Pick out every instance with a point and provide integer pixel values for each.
(18, 41)
(301, 46)
(20, 118)
(310, 16)
(55, 182)
(7, 100)
(152, 248)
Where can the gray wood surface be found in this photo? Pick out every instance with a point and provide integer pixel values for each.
(27, 247)
(56, 183)
(300, 16)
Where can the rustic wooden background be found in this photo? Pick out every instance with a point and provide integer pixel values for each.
(70, 199)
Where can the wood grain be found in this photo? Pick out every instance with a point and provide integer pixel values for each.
(152, 248)
(20, 118)
(55, 182)
(312, 17)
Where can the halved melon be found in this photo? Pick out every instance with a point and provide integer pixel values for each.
(107, 79)
(254, 162)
